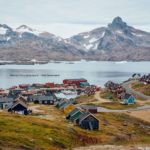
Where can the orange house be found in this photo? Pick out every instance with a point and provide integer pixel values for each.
(68, 108)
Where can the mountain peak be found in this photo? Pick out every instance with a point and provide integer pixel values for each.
(4, 28)
(24, 27)
(118, 23)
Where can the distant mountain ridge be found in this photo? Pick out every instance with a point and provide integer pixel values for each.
(116, 42)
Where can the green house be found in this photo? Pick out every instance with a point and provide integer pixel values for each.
(74, 114)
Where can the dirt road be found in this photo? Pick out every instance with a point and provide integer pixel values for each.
(99, 99)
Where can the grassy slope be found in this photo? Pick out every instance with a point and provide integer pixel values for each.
(85, 98)
(145, 89)
(29, 133)
(25, 132)
(114, 102)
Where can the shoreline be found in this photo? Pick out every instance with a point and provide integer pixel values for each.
(69, 61)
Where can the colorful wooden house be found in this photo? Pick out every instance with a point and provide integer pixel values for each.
(18, 107)
(90, 108)
(74, 115)
(84, 84)
(68, 108)
(128, 99)
(74, 81)
(43, 99)
(88, 121)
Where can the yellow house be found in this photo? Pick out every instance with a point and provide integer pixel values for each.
(68, 108)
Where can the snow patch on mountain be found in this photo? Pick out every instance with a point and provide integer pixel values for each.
(103, 34)
(88, 46)
(24, 28)
(86, 36)
(95, 46)
(93, 40)
(120, 32)
(3, 30)
(139, 35)
(8, 38)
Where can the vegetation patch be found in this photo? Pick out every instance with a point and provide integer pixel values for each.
(33, 133)
(117, 106)
(85, 98)
(109, 95)
(141, 87)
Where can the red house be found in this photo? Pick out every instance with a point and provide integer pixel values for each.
(49, 85)
(74, 81)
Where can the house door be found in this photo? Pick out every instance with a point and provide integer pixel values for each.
(90, 125)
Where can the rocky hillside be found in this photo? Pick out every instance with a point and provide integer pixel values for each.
(116, 42)
(26, 43)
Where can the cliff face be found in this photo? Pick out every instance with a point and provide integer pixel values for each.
(117, 41)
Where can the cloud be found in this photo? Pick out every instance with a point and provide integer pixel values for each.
(73, 12)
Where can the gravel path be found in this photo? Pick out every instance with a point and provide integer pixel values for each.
(127, 84)
(113, 147)
(99, 99)
(102, 109)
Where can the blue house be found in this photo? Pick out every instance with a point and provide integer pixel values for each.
(128, 99)
(84, 84)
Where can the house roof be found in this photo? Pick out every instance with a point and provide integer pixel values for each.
(89, 107)
(63, 105)
(18, 102)
(20, 97)
(41, 97)
(74, 111)
(85, 115)
(126, 96)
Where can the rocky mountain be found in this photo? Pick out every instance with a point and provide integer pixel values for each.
(25, 43)
(116, 42)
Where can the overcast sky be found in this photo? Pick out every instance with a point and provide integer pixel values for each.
(68, 17)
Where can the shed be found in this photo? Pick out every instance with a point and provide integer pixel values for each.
(19, 107)
(90, 108)
(68, 108)
(88, 121)
(74, 115)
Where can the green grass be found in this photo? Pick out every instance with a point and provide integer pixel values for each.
(109, 95)
(119, 128)
(85, 98)
(31, 133)
(116, 105)
(26, 132)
